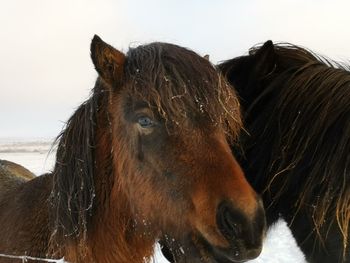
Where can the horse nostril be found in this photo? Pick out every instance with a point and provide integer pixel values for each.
(243, 231)
(228, 222)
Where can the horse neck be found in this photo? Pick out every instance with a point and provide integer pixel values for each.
(113, 237)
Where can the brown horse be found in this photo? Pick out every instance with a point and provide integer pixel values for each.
(11, 175)
(296, 108)
(11, 169)
(145, 157)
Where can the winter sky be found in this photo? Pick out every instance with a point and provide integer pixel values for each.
(45, 68)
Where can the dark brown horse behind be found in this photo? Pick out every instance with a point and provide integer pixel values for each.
(11, 175)
(13, 170)
(144, 158)
(296, 108)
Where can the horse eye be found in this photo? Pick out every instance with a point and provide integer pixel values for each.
(145, 122)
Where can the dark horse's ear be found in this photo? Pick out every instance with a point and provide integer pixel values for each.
(246, 72)
(264, 58)
(259, 62)
(108, 61)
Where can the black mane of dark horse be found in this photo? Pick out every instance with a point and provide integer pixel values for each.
(296, 147)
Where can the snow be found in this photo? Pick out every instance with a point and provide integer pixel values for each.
(279, 245)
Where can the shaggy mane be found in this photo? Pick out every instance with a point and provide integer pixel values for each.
(73, 190)
(309, 130)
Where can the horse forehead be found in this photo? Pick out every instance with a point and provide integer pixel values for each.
(166, 58)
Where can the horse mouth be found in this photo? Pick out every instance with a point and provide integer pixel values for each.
(234, 254)
(196, 249)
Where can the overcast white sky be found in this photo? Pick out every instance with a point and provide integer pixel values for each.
(45, 68)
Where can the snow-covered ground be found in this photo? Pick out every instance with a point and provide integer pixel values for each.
(279, 245)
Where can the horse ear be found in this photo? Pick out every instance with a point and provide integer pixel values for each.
(108, 61)
(246, 72)
(257, 64)
(264, 58)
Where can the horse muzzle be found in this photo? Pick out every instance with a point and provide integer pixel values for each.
(243, 236)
